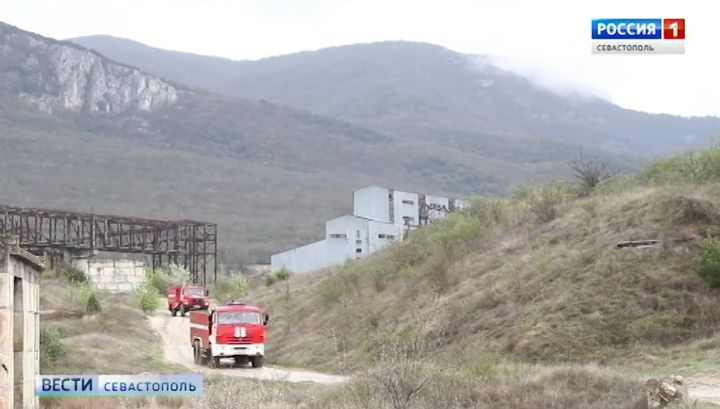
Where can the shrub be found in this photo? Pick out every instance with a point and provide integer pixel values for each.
(270, 279)
(331, 290)
(660, 326)
(83, 297)
(159, 279)
(281, 275)
(93, 305)
(694, 167)
(147, 297)
(74, 275)
(178, 274)
(591, 171)
(48, 274)
(683, 210)
(230, 288)
(489, 210)
(162, 278)
(707, 262)
(51, 348)
(454, 230)
(543, 200)
(402, 371)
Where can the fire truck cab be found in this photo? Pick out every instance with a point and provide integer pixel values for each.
(235, 330)
(183, 298)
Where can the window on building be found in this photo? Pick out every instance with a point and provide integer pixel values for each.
(358, 250)
(358, 241)
(408, 202)
(357, 233)
(338, 236)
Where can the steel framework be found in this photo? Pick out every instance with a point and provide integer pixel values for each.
(189, 243)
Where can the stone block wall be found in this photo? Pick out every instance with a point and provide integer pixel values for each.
(113, 275)
(19, 325)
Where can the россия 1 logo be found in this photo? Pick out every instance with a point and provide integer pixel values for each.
(638, 36)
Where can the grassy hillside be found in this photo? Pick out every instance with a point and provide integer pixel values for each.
(259, 208)
(532, 278)
(117, 339)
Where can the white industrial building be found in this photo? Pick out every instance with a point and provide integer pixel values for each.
(380, 216)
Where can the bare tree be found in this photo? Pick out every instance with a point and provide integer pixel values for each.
(401, 374)
(590, 171)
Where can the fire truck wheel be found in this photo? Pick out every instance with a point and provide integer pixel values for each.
(197, 353)
(183, 311)
(257, 362)
(173, 312)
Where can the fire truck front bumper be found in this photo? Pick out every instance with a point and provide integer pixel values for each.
(193, 305)
(222, 350)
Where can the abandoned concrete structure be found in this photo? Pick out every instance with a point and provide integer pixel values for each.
(115, 276)
(19, 325)
(380, 217)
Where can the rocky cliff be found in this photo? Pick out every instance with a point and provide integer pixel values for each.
(53, 75)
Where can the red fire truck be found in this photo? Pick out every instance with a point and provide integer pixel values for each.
(235, 330)
(184, 298)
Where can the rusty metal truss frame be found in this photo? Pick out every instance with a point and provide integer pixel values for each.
(191, 244)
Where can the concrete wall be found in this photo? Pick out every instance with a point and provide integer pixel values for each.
(382, 234)
(405, 205)
(19, 326)
(355, 232)
(112, 275)
(303, 259)
(373, 203)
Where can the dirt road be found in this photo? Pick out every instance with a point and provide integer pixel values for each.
(705, 389)
(175, 334)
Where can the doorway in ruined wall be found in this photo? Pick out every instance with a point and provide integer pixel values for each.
(18, 340)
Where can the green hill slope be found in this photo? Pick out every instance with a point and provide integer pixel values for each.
(534, 278)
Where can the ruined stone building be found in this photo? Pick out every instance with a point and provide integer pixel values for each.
(19, 325)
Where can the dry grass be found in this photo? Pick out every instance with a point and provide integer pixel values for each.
(561, 387)
(499, 278)
(117, 340)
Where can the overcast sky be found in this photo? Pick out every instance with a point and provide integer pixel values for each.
(548, 41)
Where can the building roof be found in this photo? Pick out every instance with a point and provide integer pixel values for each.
(237, 307)
(406, 191)
(9, 244)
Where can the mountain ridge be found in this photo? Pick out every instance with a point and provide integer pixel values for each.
(428, 92)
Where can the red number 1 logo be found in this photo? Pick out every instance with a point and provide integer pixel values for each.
(674, 29)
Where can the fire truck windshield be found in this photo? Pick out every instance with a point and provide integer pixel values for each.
(239, 317)
(193, 291)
